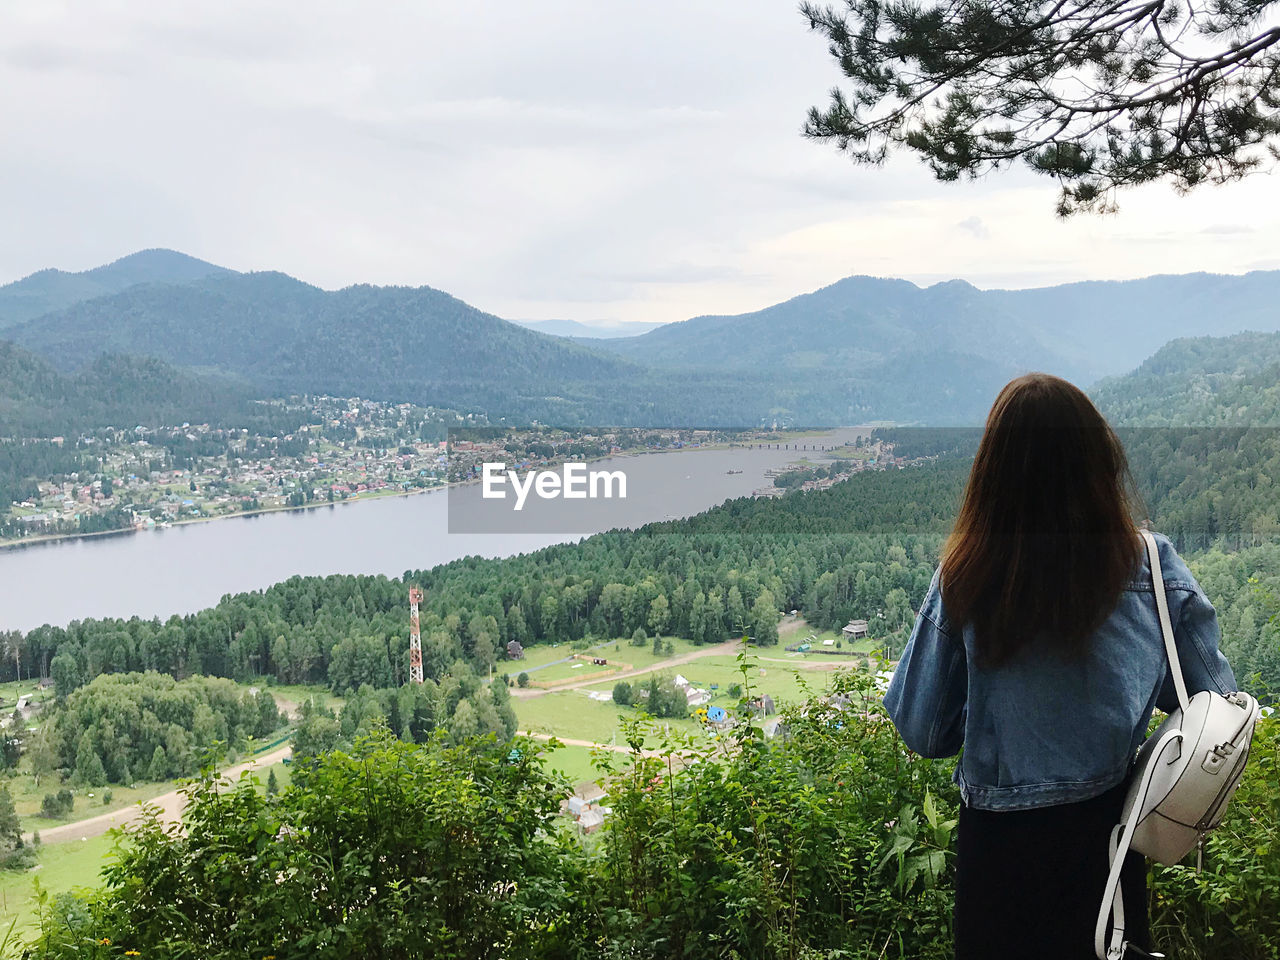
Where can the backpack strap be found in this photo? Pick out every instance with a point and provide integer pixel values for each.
(1122, 835)
(1166, 626)
(1121, 839)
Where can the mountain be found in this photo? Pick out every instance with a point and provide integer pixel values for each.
(1111, 326)
(37, 400)
(49, 290)
(869, 329)
(285, 336)
(861, 349)
(589, 329)
(1200, 381)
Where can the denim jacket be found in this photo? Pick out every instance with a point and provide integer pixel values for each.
(1041, 730)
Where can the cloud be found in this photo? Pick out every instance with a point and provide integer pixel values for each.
(552, 160)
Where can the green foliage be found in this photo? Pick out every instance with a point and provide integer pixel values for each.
(660, 697)
(391, 851)
(622, 694)
(1229, 908)
(522, 680)
(109, 391)
(1097, 97)
(135, 721)
(57, 805)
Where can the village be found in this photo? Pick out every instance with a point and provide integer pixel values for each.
(344, 449)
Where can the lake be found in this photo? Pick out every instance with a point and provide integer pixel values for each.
(189, 567)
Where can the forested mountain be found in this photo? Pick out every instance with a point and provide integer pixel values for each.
(857, 350)
(38, 401)
(1200, 381)
(285, 336)
(49, 290)
(887, 337)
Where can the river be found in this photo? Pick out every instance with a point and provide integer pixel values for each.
(191, 566)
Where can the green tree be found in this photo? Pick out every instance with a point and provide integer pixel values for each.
(622, 694)
(158, 769)
(273, 785)
(65, 671)
(10, 825)
(1097, 96)
(522, 680)
(89, 769)
(659, 613)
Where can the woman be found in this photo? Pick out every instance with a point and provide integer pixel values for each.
(1038, 649)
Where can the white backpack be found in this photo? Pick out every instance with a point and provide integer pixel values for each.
(1185, 773)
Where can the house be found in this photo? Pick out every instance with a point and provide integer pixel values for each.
(696, 697)
(855, 629)
(763, 706)
(515, 650)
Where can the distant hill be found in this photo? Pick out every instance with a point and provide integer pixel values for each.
(284, 336)
(860, 349)
(965, 341)
(592, 330)
(49, 290)
(37, 400)
(1201, 381)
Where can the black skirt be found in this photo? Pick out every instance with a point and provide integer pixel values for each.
(1029, 882)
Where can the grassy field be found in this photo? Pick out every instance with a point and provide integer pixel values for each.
(11, 691)
(574, 670)
(574, 762)
(62, 867)
(571, 713)
(296, 693)
(538, 655)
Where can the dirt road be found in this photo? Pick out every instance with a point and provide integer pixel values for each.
(728, 648)
(170, 803)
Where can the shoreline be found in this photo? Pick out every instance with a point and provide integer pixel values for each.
(129, 531)
(45, 539)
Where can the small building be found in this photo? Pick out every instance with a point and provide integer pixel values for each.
(855, 629)
(697, 697)
(764, 706)
(515, 650)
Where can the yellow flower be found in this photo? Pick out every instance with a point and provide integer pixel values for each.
(104, 941)
(132, 953)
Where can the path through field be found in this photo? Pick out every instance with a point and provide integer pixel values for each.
(170, 804)
(729, 648)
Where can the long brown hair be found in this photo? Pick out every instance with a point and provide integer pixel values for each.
(1045, 540)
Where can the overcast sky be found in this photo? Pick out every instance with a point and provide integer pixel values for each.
(587, 160)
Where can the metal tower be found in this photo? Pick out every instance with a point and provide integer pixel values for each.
(415, 637)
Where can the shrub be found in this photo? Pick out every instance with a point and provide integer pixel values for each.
(57, 805)
(523, 679)
(622, 694)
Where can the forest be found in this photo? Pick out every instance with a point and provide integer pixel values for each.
(829, 843)
(864, 548)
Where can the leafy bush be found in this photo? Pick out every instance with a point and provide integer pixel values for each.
(827, 841)
(57, 805)
(623, 695)
(390, 851)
